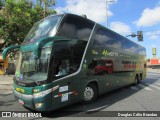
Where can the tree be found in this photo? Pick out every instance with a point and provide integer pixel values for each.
(46, 4)
(16, 19)
(1, 4)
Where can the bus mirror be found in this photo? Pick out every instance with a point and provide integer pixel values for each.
(6, 50)
(41, 43)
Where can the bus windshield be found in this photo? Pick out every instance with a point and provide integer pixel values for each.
(43, 28)
(30, 68)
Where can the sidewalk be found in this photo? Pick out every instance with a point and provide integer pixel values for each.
(6, 84)
(6, 79)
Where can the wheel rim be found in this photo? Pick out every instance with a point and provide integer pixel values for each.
(88, 93)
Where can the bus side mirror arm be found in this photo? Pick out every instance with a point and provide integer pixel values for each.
(6, 50)
(41, 43)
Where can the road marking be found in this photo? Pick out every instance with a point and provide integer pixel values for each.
(145, 87)
(155, 74)
(98, 108)
(134, 88)
(152, 86)
(157, 83)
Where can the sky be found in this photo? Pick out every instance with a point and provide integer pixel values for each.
(124, 16)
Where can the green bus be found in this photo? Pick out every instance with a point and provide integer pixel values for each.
(67, 58)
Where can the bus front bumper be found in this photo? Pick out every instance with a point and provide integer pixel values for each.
(30, 102)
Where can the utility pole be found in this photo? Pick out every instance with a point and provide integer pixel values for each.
(107, 11)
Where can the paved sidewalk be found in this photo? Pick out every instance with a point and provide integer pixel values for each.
(6, 84)
(6, 79)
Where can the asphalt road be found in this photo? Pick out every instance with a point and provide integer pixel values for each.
(143, 97)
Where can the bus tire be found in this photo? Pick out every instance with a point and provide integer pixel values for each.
(141, 76)
(90, 93)
(137, 81)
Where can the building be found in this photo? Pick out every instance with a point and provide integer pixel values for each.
(153, 61)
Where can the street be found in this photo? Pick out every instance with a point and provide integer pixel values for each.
(143, 97)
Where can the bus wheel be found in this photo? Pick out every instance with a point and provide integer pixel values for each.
(90, 94)
(137, 81)
(141, 76)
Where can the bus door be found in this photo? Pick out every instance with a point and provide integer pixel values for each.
(61, 86)
(65, 63)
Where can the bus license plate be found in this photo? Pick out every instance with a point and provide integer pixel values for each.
(21, 102)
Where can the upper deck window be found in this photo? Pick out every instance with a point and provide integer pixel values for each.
(104, 37)
(44, 28)
(107, 38)
(75, 27)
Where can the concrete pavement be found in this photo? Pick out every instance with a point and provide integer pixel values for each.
(6, 84)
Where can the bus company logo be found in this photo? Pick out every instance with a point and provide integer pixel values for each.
(107, 53)
(20, 90)
(6, 114)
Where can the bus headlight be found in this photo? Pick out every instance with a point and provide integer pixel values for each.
(38, 105)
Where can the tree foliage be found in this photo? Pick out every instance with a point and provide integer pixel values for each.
(16, 19)
(46, 4)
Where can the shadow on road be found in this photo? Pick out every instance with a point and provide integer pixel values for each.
(103, 101)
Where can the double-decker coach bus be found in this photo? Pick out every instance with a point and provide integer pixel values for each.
(67, 58)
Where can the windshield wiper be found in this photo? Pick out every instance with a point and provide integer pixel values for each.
(33, 80)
